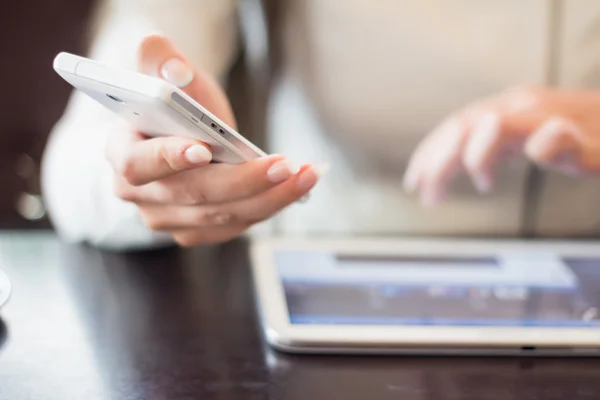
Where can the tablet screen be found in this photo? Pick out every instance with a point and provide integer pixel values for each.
(539, 289)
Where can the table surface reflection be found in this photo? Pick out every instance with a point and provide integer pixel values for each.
(181, 324)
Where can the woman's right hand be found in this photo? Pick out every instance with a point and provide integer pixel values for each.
(172, 181)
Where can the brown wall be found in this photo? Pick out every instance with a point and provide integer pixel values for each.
(33, 97)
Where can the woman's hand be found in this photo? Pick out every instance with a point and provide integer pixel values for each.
(554, 129)
(171, 179)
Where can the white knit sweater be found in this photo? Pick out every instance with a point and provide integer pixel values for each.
(362, 83)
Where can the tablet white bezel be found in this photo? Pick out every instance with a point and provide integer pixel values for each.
(284, 335)
(5, 288)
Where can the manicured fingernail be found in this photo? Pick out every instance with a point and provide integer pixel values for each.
(198, 154)
(176, 72)
(309, 178)
(304, 198)
(565, 156)
(483, 183)
(567, 162)
(280, 171)
(321, 169)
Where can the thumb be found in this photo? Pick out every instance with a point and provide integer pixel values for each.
(555, 145)
(157, 56)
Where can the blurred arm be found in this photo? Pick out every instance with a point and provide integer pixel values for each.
(76, 179)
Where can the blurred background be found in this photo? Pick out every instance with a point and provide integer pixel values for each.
(31, 33)
(361, 84)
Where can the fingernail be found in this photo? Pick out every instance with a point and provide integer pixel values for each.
(568, 157)
(280, 171)
(566, 162)
(176, 72)
(483, 183)
(309, 178)
(570, 170)
(198, 154)
(321, 169)
(304, 198)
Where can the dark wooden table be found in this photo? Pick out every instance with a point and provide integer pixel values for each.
(181, 324)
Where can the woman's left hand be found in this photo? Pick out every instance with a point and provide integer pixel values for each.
(554, 129)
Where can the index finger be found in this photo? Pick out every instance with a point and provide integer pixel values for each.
(140, 161)
(158, 57)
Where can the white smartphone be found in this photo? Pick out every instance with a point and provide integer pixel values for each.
(430, 296)
(154, 106)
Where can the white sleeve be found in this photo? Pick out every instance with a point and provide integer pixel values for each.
(77, 182)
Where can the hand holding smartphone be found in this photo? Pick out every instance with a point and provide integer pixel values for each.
(164, 162)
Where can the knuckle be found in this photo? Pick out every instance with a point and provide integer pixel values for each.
(151, 218)
(123, 191)
(171, 158)
(214, 217)
(190, 192)
(197, 196)
(523, 90)
(172, 154)
(187, 198)
(527, 96)
(183, 194)
(561, 127)
(183, 197)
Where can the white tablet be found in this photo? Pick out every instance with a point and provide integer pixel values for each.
(429, 296)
